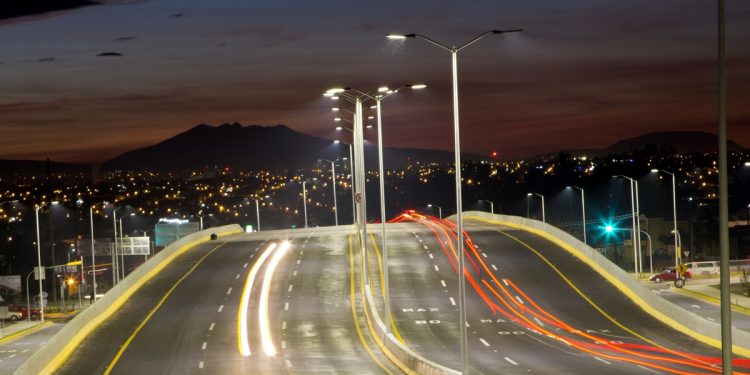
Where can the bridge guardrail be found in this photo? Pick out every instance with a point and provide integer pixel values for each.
(668, 313)
(51, 356)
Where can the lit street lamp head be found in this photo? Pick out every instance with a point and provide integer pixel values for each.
(400, 36)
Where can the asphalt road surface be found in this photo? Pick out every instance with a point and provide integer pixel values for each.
(531, 308)
(195, 329)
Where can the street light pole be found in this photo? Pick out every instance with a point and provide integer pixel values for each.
(93, 249)
(544, 218)
(459, 216)
(304, 200)
(677, 248)
(583, 211)
(440, 210)
(39, 264)
(492, 205)
(632, 220)
(335, 201)
(257, 213)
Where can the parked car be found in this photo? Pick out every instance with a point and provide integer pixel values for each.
(668, 274)
(24, 313)
(703, 268)
(8, 314)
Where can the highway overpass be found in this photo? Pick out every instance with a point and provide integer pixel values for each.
(292, 302)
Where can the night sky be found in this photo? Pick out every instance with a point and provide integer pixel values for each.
(88, 84)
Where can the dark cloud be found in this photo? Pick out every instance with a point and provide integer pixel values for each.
(125, 38)
(46, 59)
(104, 54)
(177, 15)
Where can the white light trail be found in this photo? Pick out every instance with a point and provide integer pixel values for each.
(265, 324)
(242, 336)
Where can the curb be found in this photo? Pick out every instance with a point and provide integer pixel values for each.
(707, 298)
(24, 332)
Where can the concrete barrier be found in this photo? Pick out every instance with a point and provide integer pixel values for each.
(401, 355)
(54, 353)
(668, 313)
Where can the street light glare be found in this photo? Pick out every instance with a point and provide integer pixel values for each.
(396, 36)
(337, 119)
(336, 141)
(383, 88)
(335, 109)
(418, 86)
(335, 90)
(339, 128)
(654, 170)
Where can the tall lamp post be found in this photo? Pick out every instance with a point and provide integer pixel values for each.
(333, 182)
(93, 249)
(39, 264)
(492, 205)
(351, 176)
(115, 260)
(459, 217)
(440, 210)
(544, 218)
(583, 211)
(304, 200)
(635, 221)
(677, 249)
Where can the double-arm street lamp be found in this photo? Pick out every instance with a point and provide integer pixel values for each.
(677, 248)
(304, 198)
(583, 211)
(529, 195)
(453, 50)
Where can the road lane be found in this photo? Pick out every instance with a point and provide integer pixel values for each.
(195, 330)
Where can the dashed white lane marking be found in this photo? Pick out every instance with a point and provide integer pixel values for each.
(294, 273)
(649, 369)
(299, 260)
(512, 362)
(696, 306)
(204, 345)
(484, 255)
(443, 282)
(200, 364)
(26, 350)
(301, 252)
(453, 301)
(290, 288)
(436, 268)
(283, 344)
(506, 282)
(221, 308)
(484, 342)
(431, 257)
(493, 267)
(229, 290)
(211, 328)
(286, 305)
(519, 300)
(237, 277)
(425, 247)
(245, 266)
(539, 322)
(283, 325)
(603, 361)
(288, 363)
(711, 319)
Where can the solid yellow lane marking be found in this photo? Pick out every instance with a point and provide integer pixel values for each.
(153, 311)
(382, 288)
(616, 282)
(354, 311)
(25, 332)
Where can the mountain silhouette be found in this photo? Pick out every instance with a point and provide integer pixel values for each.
(253, 148)
(682, 142)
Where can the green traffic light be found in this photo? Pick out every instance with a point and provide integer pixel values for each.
(609, 229)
